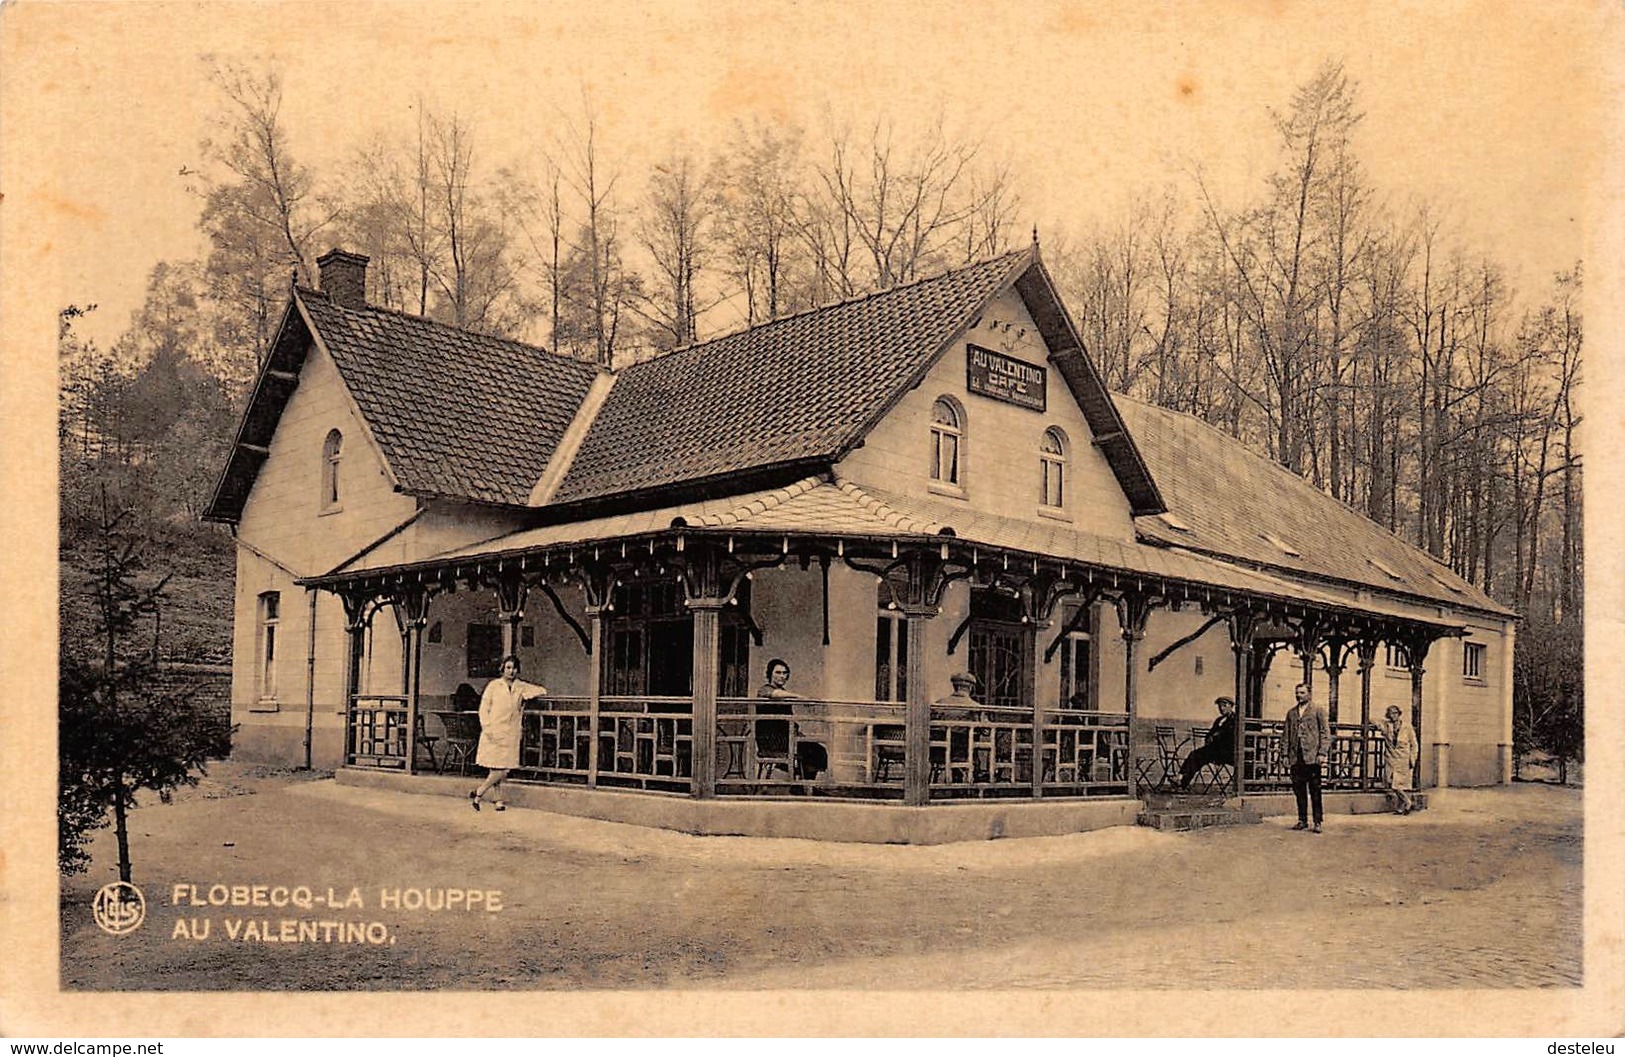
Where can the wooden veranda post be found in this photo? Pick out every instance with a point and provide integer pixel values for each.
(1336, 659)
(705, 591)
(1242, 623)
(917, 595)
(413, 605)
(510, 610)
(917, 714)
(706, 613)
(355, 630)
(1042, 595)
(1368, 659)
(597, 584)
(1133, 611)
(1416, 651)
(595, 685)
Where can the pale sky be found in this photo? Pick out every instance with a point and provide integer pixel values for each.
(1492, 111)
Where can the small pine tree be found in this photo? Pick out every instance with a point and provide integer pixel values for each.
(120, 730)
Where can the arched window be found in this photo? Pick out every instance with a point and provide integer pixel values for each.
(947, 438)
(332, 455)
(1052, 464)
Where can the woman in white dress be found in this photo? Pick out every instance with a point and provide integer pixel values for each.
(500, 707)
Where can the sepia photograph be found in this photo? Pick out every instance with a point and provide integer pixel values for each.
(799, 519)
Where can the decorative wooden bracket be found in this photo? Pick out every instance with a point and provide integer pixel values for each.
(412, 603)
(927, 574)
(1046, 590)
(510, 587)
(1133, 611)
(1243, 624)
(597, 580)
(1335, 652)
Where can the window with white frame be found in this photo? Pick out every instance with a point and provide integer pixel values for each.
(332, 456)
(891, 650)
(270, 623)
(1052, 468)
(1472, 660)
(947, 442)
(1077, 688)
(1397, 657)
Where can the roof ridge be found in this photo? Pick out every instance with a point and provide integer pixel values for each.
(435, 323)
(1300, 480)
(832, 305)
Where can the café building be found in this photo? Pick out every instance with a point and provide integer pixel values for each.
(882, 493)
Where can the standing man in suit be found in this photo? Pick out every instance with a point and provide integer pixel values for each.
(1308, 743)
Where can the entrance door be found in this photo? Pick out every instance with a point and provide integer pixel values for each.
(1001, 658)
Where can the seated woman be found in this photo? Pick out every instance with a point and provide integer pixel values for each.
(773, 735)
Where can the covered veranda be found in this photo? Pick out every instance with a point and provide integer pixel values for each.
(659, 612)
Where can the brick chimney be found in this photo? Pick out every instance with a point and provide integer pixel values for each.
(343, 277)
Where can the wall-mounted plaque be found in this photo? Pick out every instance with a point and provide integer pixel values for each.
(989, 373)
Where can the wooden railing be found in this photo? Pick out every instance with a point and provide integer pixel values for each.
(375, 734)
(988, 752)
(761, 751)
(642, 742)
(1356, 759)
(1085, 752)
(646, 742)
(555, 740)
(981, 752)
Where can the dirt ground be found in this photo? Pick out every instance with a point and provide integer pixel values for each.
(1482, 891)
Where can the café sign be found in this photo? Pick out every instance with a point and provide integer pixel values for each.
(993, 374)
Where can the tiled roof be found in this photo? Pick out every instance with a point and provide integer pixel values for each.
(813, 504)
(1233, 501)
(797, 389)
(455, 413)
(820, 506)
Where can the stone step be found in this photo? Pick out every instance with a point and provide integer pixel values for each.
(1183, 801)
(1179, 820)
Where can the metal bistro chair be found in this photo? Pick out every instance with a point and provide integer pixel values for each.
(462, 737)
(426, 742)
(889, 756)
(1167, 755)
(773, 748)
(1209, 777)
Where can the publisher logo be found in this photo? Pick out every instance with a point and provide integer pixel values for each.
(119, 908)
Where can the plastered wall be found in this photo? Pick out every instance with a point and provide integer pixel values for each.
(1001, 441)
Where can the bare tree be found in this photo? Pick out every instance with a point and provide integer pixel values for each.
(675, 230)
(596, 287)
(990, 225)
(394, 218)
(901, 204)
(1272, 250)
(262, 214)
(757, 195)
(476, 271)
